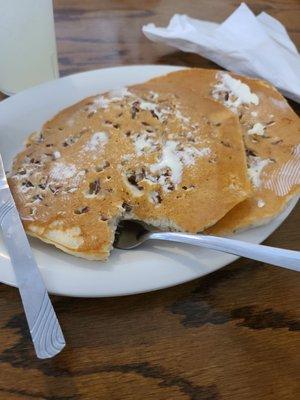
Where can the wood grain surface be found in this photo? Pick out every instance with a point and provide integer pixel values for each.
(232, 335)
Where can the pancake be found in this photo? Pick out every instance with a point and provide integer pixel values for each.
(165, 156)
(271, 132)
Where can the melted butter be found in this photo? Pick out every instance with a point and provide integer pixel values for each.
(239, 92)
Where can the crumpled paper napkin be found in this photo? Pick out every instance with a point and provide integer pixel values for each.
(257, 46)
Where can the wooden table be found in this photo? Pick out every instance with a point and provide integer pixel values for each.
(231, 335)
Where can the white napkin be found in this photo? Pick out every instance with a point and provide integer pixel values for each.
(255, 46)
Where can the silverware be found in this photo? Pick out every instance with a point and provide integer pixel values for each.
(46, 333)
(131, 234)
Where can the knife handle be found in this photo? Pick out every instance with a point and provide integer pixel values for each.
(46, 333)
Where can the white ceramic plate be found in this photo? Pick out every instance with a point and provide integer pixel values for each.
(153, 266)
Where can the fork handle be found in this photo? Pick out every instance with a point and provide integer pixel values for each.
(289, 259)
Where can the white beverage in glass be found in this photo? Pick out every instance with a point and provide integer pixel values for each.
(28, 53)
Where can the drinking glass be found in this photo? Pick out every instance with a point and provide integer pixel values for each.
(28, 53)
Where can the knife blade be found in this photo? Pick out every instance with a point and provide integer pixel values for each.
(46, 333)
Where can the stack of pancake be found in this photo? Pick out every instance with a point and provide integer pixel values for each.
(195, 150)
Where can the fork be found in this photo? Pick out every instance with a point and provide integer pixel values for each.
(131, 234)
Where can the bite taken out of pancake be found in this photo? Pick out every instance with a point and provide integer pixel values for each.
(271, 132)
(163, 155)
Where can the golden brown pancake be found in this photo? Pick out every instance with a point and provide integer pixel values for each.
(271, 132)
(159, 154)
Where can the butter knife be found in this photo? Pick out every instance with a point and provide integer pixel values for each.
(46, 333)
